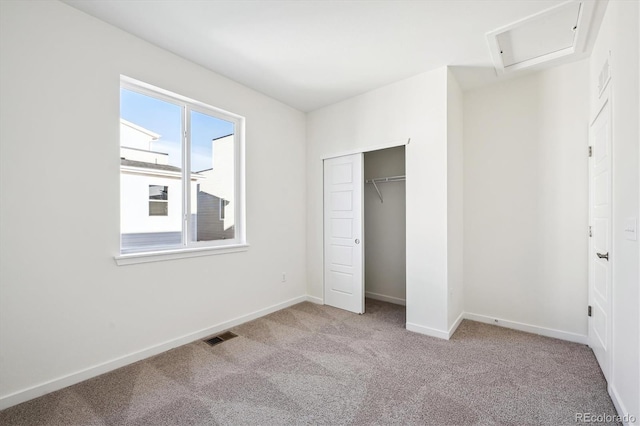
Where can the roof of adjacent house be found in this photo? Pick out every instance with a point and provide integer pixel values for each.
(145, 165)
(153, 135)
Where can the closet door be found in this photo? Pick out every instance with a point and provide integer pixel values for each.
(343, 233)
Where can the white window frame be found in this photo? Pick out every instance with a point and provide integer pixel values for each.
(195, 248)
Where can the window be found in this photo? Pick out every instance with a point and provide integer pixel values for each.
(170, 144)
(158, 200)
(222, 204)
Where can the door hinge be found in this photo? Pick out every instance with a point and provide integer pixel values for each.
(590, 151)
(589, 310)
(590, 232)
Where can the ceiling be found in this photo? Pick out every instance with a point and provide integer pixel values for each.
(309, 54)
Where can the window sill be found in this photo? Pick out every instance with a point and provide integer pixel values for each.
(159, 256)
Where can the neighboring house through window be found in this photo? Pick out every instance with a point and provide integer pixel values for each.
(179, 172)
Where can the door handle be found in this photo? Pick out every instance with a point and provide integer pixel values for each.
(603, 256)
(357, 241)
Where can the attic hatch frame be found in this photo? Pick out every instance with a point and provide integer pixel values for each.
(583, 28)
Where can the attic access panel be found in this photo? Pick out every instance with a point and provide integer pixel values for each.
(551, 34)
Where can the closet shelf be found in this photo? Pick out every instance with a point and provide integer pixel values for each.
(375, 181)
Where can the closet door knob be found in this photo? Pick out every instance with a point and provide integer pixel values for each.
(357, 241)
(603, 256)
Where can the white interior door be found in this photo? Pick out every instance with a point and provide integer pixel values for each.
(600, 285)
(343, 233)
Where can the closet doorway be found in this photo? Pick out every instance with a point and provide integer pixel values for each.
(365, 228)
(385, 225)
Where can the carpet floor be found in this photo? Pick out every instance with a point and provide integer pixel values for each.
(311, 364)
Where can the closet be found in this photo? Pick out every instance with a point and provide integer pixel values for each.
(365, 228)
(385, 225)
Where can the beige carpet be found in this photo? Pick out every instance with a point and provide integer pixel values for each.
(312, 364)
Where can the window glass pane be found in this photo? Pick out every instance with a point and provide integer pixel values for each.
(158, 208)
(212, 178)
(150, 169)
(158, 192)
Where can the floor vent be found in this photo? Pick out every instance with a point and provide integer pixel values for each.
(212, 341)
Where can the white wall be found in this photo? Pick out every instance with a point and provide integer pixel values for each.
(65, 306)
(455, 198)
(385, 227)
(413, 108)
(525, 200)
(619, 37)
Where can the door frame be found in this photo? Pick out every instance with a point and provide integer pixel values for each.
(390, 144)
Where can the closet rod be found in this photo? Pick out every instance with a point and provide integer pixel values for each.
(386, 179)
(382, 180)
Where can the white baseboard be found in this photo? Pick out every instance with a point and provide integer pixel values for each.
(88, 373)
(384, 298)
(625, 415)
(455, 325)
(548, 332)
(316, 300)
(427, 331)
